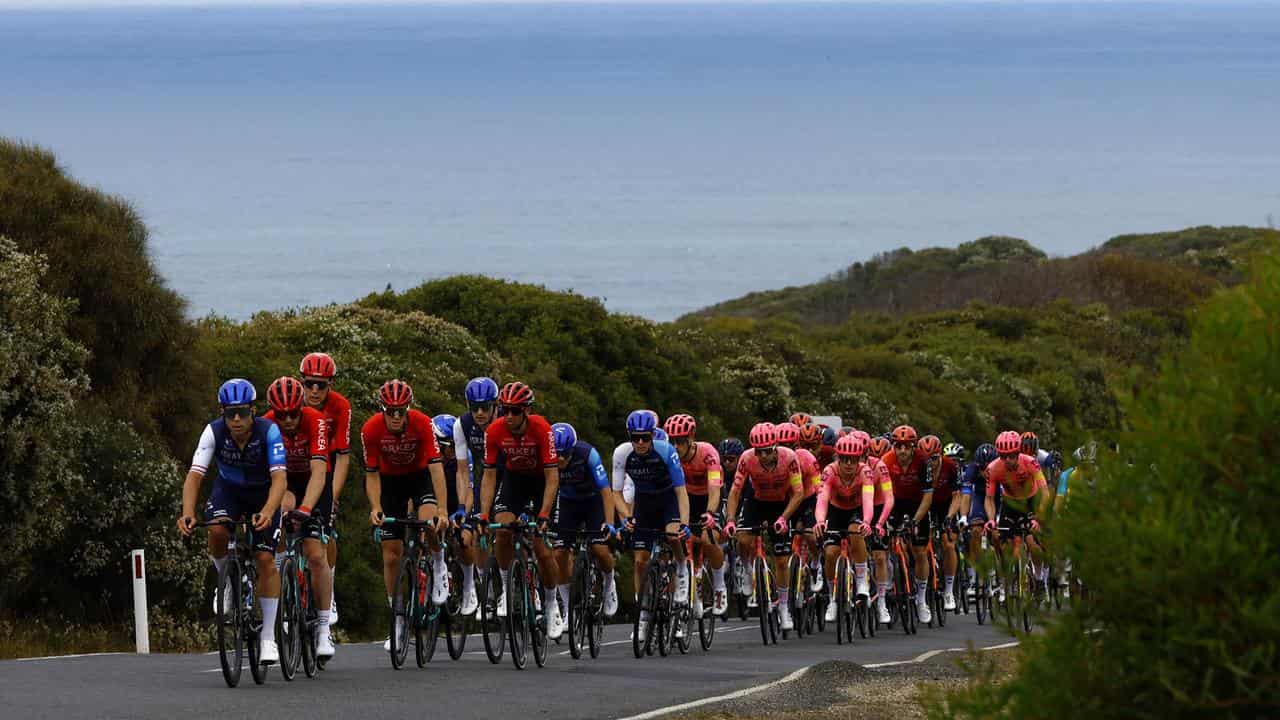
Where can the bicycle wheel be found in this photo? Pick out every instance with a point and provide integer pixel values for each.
(427, 614)
(518, 614)
(646, 606)
(939, 608)
(311, 621)
(538, 603)
(795, 594)
(1030, 597)
(229, 619)
(492, 628)
(401, 612)
(455, 624)
(762, 599)
(962, 587)
(577, 611)
(842, 598)
(980, 600)
(253, 630)
(290, 622)
(595, 611)
(707, 619)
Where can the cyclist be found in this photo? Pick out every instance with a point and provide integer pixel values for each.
(661, 499)
(252, 478)
(584, 500)
(974, 478)
(855, 493)
(1086, 457)
(306, 442)
(913, 496)
(772, 474)
(948, 500)
(789, 436)
(624, 490)
(703, 483)
(1050, 460)
(403, 468)
(730, 450)
(800, 419)
(1021, 483)
(445, 426)
(827, 445)
(523, 448)
(318, 371)
(481, 394)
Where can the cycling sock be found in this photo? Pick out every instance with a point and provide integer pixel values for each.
(923, 588)
(608, 579)
(504, 574)
(951, 583)
(324, 616)
(717, 579)
(219, 563)
(279, 560)
(973, 575)
(468, 578)
(389, 603)
(783, 595)
(882, 588)
(269, 606)
(860, 570)
(563, 590)
(437, 559)
(682, 572)
(549, 593)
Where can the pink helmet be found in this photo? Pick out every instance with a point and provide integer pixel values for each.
(851, 445)
(1008, 441)
(681, 426)
(763, 435)
(788, 433)
(862, 434)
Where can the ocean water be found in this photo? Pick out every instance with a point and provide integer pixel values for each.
(662, 157)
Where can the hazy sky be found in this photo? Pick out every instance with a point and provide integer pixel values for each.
(228, 3)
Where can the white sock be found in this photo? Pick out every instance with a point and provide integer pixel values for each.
(389, 603)
(973, 574)
(922, 589)
(717, 578)
(882, 588)
(333, 594)
(468, 578)
(550, 593)
(563, 589)
(219, 563)
(783, 595)
(437, 561)
(324, 617)
(682, 572)
(951, 583)
(608, 579)
(269, 606)
(279, 561)
(860, 570)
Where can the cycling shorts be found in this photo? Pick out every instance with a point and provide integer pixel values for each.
(234, 502)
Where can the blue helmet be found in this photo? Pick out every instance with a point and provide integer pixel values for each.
(236, 391)
(565, 438)
(985, 454)
(732, 447)
(660, 435)
(642, 421)
(481, 390)
(444, 428)
(829, 436)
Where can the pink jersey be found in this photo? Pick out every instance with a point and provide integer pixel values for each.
(702, 472)
(773, 485)
(884, 481)
(810, 473)
(1024, 481)
(844, 492)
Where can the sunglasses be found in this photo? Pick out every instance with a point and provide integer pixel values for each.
(396, 411)
(512, 410)
(850, 459)
(481, 407)
(287, 414)
(231, 413)
(1009, 456)
(904, 445)
(646, 438)
(315, 384)
(766, 450)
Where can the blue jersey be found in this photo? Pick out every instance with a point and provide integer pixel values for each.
(1063, 481)
(656, 472)
(584, 476)
(250, 466)
(469, 445)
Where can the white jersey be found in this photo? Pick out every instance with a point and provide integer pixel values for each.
(622, 482)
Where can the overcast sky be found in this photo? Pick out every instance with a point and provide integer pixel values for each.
(242, 3)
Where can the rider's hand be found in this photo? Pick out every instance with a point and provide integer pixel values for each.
(376, 517)
(459, 516)
(865, 529)
(820, 527)
(880, 529)
(544, 521)
(990, 526)
(709, 521)
(302, 511)
(186, 524)
(442, 516)
(608, 530)
(780, 525)
(684, 531)
(1035, 525)
(261, 521)
(731, 528)
(629, 523)
(962, 522)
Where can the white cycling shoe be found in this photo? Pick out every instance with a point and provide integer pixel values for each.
(502, 605)
(440, 588)
(864, 588)
(949, 601)
(922, 609)
(722, 602)
(469, 601)
(784, 614)
(324, 644)
(268, 653)
(610, 600)
(831, 611)
(555, 623)
(882, 612)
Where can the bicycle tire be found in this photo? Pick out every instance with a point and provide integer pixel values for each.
(231, 648)
(762, 599)
(595, 612)
(577, 611)
(290, 623)
(518, 614)
(841, 599)
(253, 630)
(641, 627)
(707, 619)
(310, 662)
(538, 618)
(454, 622)
(402, 593)
(493, 629)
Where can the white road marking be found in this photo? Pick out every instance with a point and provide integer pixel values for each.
(64, 657)
(719, 698)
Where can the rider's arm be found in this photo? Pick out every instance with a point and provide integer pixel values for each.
(886, 489)
(373, 489)
(602, 484)
(199, 466)
(551, 471)
(488, 486)
(319, 461)
(1042, 489)
(715, 480)
(926, 486)
(676, 471)
(277, 460)
(462, 454)
(342, 446)
(796, 483)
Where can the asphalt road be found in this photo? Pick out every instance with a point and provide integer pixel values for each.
(360, 682)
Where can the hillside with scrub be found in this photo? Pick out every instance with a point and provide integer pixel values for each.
(109, 383)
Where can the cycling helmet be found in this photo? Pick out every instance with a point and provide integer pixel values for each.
(904, 434)
(395, 393)
(515, 393)
(985, 454)
(788, 433)
(811, 434)
(237, 391)
(763, 435)
(880, 447)
(845, 430)
(285, 394)
(800, 419)
(443, 424)
(731, 447)
(318, 364)
(830, 436)
(851, 446)
(565, 438)
(642, 421)
(481, 390)
(1087, 453)
(931, 445)
(1008, 442)
(862, 434)
(660, 435)
(954, 450)
(1055, 459)
(1030, 443)
(681, 426)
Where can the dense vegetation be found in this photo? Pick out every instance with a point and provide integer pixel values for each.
(107, 385)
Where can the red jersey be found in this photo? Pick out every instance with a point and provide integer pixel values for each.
(410, 451)
(702, 471)
(910, 483)
(309, 442)
(337, 415)
(945, 484)
(826, 455)
(532, 450)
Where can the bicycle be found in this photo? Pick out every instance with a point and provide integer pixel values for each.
(902, 595)
(526, 616)
(704, 590)
(846, 613)
(802, 598)
(655, 611)
(451, 618)
(492, 628)
(238, 613)
(1020, 595)
(586, 599)
(298, 617)
(411, 606)
(934, 598)
(763, 588)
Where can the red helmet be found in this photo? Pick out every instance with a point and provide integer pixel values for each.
(515, 393)
(904, 434)
(880, 446)
(680, 426)
(788, 433)
(851, 446)
(285, 394)
(931, 445)
(1008, 441)
(1030, 443)
(801, 419)
(862, 434)
(763, 435)
(395, 393)
(810, 434)
(318, 364)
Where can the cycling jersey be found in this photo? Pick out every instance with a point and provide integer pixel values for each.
(250, 466)
(826, 455)
(946, 484)
(1023, 482)
(621, 483)
(310, 441)
(884, 482)
(912, 482)
(810, 472)
(858, 489)
(584, 475)
(702, 471)
(337, 417)
(523, 454)
(468, 443)
(409, 451)
(774, 485)
(657, 471)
